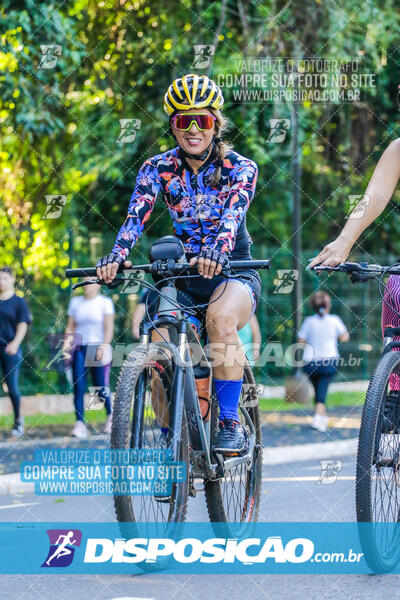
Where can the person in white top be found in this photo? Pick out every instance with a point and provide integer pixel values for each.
(321, 334)
(91, 319)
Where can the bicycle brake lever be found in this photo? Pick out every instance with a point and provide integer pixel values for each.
(83, 283)
(115, 282)
(352, 267)
(357, 277)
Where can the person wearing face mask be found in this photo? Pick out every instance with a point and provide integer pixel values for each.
(321, 333)
(14, 320)
(91, 319)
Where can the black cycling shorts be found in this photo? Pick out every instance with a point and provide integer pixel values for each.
(197, 290)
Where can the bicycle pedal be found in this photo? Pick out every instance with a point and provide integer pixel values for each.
(220, 462)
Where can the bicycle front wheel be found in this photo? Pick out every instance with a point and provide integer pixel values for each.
(235, 498)
(142, 410)
(378, 461)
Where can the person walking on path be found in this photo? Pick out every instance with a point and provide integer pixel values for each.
(14, 320)
(321, 333)
(91, 317)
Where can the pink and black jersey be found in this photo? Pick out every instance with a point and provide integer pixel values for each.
(203, 216)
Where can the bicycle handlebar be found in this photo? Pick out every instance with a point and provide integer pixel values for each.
(169, 266)
(363, 271)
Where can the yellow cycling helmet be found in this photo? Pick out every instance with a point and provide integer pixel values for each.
(192, 91)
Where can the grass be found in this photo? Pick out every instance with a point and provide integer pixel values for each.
(91, 416)
(334, 399)
(266, 404)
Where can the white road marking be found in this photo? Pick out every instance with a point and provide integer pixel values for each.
(313, 451)
(307, 478)
(18, 505)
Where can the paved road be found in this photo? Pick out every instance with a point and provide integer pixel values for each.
(290, 493)
(280, 428)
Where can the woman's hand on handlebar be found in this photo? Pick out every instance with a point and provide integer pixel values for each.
(206, 267)
(210, 262)
(332, 255)
(107, 267)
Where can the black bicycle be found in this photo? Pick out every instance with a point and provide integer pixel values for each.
(156, 393)
(378, 456)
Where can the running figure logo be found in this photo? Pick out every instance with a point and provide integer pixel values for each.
(279, 129)
(357, 206)
(131, 285)
(286, 280)
(62, 547)
(50, 55)
(129, 128)
(329, 471)
(55, 204)
(202, 56)
(61, 348)
(97, 396)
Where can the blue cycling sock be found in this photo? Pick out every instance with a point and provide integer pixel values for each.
(228, 395)
(164, 430)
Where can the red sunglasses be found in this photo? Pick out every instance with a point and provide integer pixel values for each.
(183, 122)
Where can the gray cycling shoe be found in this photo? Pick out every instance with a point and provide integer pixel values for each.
(232, 438)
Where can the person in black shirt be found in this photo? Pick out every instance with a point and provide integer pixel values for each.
(14, 320)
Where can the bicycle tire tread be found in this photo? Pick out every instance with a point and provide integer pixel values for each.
(125, 386)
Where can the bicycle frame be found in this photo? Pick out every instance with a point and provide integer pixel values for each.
(184, 392)
(362, 272)
(388, 344)
(205, 463)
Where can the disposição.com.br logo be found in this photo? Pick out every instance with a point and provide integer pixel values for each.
(62, 547)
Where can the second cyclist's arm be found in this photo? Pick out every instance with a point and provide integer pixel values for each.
(377, 195)
(148, 184)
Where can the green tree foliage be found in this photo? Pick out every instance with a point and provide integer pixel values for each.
(60, 126)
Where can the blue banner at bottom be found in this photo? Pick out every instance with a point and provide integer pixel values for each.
(195, 548)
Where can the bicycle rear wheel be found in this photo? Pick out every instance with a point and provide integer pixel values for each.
(235, 498)
(142, 406)
(378, 461)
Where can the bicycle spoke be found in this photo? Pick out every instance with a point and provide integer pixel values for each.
(234, 489)
(385, 479)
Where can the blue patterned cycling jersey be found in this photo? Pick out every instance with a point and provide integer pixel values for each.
(203, 216)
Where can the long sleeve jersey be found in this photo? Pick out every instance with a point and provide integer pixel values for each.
(202, 216)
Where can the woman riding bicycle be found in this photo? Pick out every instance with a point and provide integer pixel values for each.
(207, 188)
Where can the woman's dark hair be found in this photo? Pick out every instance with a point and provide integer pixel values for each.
(222, 148)
(6, 270)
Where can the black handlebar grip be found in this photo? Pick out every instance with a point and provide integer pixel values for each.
(249, 264)
(234, 264)
(82, 272)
